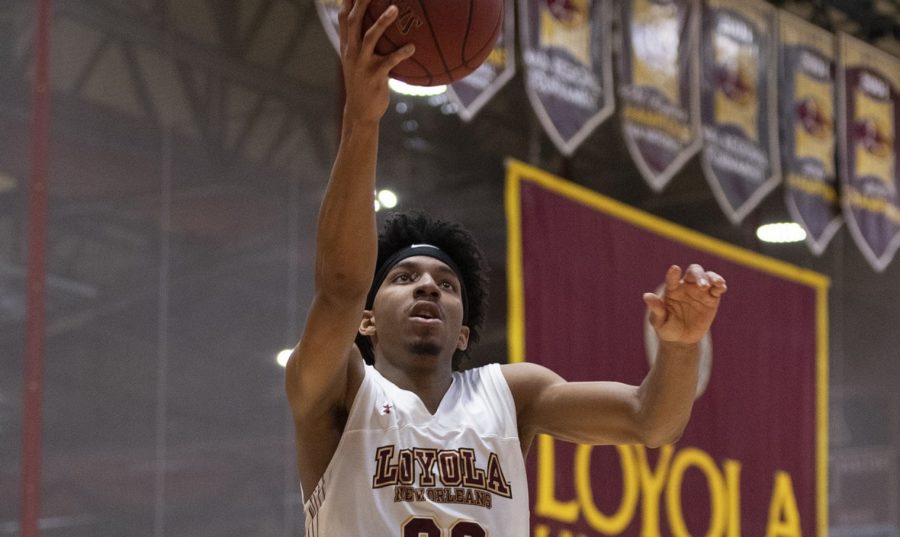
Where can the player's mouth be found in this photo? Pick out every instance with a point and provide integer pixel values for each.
(425, 312)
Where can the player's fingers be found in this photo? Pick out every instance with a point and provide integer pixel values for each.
(394, 58)
(715, 279)
(374, 33)
(355, 20)
(656, 306)
(719, 287)
(673, 277)
(695, 274)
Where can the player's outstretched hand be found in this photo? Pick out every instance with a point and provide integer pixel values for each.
(365, 71)
(688, 305)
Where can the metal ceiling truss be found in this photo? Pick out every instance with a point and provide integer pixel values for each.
(209, 76)
(210, 72)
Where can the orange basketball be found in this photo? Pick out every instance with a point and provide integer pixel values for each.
(452, 37)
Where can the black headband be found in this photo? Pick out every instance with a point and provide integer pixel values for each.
(414, 250)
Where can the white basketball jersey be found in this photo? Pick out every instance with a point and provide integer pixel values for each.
(400, 471)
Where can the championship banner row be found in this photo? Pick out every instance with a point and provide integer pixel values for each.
(765, 95)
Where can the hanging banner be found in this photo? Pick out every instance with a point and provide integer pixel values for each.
(658, 85)
(753, 459)
(568, 66)
(328, 15)
(474, 91)
(807, 97)
(869, 110)
(738, 103)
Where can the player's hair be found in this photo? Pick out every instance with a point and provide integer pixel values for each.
(415, 227)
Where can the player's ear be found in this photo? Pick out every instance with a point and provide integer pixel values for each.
(462, 342)
(367, 324)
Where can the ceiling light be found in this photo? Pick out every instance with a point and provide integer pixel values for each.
(781, 232)
(283, 356)
(387, 199)
(416, 91)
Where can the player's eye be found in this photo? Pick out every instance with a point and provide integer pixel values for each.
(447, 284)
(403, 277)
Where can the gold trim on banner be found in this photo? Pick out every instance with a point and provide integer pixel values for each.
(517, 172)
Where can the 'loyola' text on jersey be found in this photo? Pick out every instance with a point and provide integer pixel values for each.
(454, 468)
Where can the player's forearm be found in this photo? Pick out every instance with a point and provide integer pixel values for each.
(667, 393)
(346, 241)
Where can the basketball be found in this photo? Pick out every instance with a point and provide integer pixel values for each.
(452, 37)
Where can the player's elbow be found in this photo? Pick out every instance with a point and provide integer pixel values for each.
(657, 440)
(655, 435)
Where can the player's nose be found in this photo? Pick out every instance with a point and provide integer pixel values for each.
(426, 286)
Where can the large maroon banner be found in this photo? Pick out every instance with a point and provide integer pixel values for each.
(753, 458)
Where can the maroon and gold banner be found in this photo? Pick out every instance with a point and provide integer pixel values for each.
(807, 97)
(869, 109)
(474, 91)
(738, 103)
(753, 459)
(568, 66)
(658, 85)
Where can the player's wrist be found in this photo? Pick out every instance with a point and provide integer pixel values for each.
(355, 121)
(679, 346)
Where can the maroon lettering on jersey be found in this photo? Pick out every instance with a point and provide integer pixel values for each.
(449, 468)
(497, 482)
(425, 458)
(467, 529)
(457, 479)
(417, 527)
(385, 471)
(472, 476)
(407, 468)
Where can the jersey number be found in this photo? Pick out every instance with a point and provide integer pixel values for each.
(427, 527)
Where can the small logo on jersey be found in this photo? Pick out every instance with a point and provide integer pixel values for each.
(386, 408)
(440, 476)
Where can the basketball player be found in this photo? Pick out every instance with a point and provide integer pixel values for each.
(409, 446)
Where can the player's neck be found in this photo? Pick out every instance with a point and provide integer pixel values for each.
(429, 383)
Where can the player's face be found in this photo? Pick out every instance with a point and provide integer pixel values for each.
(418, 311)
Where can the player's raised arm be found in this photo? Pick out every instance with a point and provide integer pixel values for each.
(320, 374)
(654, 413)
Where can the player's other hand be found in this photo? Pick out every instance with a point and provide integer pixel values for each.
(686, 309)
(365, 71)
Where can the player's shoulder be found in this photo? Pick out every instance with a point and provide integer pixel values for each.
(528, 372)
(526, 380)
